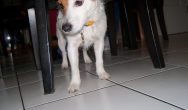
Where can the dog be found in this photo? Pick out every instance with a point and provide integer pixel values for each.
(81, 23)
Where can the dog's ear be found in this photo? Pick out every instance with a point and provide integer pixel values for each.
(56, 0)
(62, 4)
(59, 6)
(59, 1)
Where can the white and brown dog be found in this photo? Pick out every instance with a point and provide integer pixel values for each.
(81, 23)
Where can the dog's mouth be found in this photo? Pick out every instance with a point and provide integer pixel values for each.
(72, 33)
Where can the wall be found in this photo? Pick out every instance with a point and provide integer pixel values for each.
(176, 16)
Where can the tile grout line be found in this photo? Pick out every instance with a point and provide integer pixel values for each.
(149, 96)
(120, 62)
(62, 99)
(20, 73)
(180, 66)
(19, 89)
(120, 84)
(29, 83)
(8, 88)
(155, 73)
(145, 75)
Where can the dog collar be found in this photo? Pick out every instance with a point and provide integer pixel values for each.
(89, 23)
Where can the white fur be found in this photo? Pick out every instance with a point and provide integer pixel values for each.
(93, 35)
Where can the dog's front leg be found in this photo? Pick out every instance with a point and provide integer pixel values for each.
(74, 62)
(98, 48)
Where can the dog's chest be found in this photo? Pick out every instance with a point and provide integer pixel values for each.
(88, 36)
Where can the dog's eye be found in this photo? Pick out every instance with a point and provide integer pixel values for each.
(78, 3)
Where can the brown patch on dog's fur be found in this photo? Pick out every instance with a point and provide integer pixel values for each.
(65, 5)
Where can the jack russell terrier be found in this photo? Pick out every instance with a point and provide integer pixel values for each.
(81, 23)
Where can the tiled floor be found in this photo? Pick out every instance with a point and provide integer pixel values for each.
(134, 84)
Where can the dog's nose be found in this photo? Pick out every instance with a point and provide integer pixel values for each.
(67, 27)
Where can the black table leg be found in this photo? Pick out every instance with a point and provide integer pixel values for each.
(123, 23)
(111, 29)
(158, 5)
(128, 25)
(44, 48)
(160, 16)
(151, 34)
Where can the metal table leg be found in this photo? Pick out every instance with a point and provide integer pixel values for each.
(44, 48)
(151, 35)
(111, 27)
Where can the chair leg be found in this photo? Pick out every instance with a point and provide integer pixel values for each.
(133, 25)
(111, 30)
(160, 16)
(123, 23)
(128, 25)
(34, 37)
(44, 49)
(151, 35)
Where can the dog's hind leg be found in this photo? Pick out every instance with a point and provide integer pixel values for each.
(62, 46)
(86, 56)
(98, 48)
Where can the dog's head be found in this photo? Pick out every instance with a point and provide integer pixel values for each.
(75, 14)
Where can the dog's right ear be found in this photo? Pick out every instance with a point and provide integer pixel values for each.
(59, 5)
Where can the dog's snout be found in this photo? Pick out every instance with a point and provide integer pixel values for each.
(67, 27)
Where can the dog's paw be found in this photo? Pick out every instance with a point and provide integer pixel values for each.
(73, 87)
(104, 76)
(88, 60)
(64, 65)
